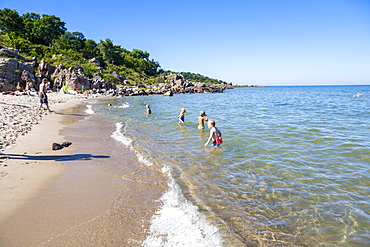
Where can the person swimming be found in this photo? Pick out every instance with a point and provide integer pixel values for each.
(358, 95)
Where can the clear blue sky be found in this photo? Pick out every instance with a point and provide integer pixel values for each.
(269, 42)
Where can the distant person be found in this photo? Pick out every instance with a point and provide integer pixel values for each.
(214, 134)
(181, 117)
(358, 95)
(42, 93)
(148, 110)
(202, 117)
(65, 89)
(121, 106)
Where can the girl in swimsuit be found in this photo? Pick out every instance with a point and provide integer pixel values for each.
(181, 117)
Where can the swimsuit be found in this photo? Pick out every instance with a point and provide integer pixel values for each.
(182, 118)
(200, 127)
(43, 98)
(215, 144)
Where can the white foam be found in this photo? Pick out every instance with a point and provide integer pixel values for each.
(179, 223)
(142, 159)
(118, 136)
(89, 109)
(124, 105)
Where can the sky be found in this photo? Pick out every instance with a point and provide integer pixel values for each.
(246, 42)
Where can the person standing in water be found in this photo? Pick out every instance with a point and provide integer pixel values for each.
(148, 110)
(214, 134)
(181, 117)
(202, 117)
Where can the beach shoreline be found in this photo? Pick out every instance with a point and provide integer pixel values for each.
(22, 177)
(66, 197)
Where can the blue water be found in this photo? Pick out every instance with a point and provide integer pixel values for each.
(293, 168)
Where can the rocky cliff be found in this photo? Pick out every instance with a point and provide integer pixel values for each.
(14, 72)
(17, 74)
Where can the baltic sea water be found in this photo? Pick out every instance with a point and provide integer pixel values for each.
(293, 168)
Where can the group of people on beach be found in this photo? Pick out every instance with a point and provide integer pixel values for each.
(214, 133)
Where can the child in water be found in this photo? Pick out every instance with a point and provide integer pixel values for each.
(181, 117)
(214, 134)
(202, 117)
(148, 110)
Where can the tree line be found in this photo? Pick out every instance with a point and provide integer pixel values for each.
(45, 37)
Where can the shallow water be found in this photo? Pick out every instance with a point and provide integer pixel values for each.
(293, 168)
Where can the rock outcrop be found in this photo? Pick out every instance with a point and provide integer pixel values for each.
(20, 75)
(11, 71)
(73, 78)
(28, 80)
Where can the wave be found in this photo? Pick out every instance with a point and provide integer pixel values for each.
(89, 109)
(118, 136)
(124, 105)
(177, 222)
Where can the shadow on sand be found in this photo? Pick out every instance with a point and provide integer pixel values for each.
(57, 157)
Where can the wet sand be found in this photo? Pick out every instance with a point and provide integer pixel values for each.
(88, 194)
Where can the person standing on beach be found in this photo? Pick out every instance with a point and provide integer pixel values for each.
(214, 134)
(181, 117)
(42, 93)
(202, 117)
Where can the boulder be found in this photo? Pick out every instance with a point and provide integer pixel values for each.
(9, 52)
(169, 93)
(28, 80)
(56, 146)
(11, 71)
(94, 60)
(45, 69)
(73, 78)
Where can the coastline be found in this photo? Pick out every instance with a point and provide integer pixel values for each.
(21, 176)
(66, 197)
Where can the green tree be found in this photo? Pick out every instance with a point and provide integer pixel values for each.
(110, 52)
(139, 54)
(91, 50)
(12, 40)
(42, 30)
(10, 21)
(68, 40)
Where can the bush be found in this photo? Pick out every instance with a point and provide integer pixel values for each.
(90, 69)
(111, 78)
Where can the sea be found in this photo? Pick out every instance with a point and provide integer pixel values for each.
(293, 168)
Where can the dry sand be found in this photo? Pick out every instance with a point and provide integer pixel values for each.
(20, 177)
(46, 202)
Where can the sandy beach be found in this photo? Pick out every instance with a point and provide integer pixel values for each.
(26, 132)
(64, 197)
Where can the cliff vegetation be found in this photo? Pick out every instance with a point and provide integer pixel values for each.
(45, 39)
